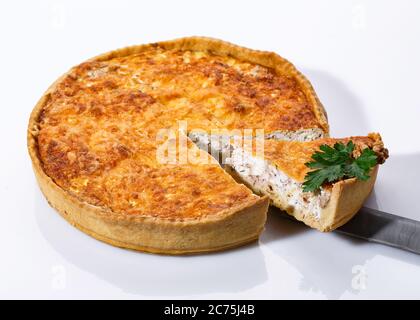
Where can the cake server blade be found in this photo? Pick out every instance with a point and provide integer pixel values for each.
(385, 228)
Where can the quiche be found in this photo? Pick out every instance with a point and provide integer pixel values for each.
(95, 135)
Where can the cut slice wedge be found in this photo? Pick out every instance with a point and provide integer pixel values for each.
(279, 172)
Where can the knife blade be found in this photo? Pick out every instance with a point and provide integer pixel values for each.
(384, 228)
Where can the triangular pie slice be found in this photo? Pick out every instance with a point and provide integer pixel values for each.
(279, 172)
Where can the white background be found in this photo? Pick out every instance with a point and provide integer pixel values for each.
(361, 56)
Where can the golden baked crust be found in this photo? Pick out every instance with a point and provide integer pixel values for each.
(92, 136)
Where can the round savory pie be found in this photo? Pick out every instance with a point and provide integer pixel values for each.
(94, 138)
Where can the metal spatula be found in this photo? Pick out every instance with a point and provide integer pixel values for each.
(385, 228)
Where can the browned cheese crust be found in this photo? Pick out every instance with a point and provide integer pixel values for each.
(92, 140)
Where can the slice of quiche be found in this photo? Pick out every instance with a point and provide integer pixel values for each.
(322, 182)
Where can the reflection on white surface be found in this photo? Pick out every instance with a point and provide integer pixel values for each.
(290, 261)
(396, 190)
(328, 262)
(150, 274)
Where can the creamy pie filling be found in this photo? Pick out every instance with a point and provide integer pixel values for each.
(267, 179)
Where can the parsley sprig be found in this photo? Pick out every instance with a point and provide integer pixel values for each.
(333, 164)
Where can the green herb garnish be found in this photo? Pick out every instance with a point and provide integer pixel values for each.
(333, 164)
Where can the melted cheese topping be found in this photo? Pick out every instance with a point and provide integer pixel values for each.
(97, 131)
